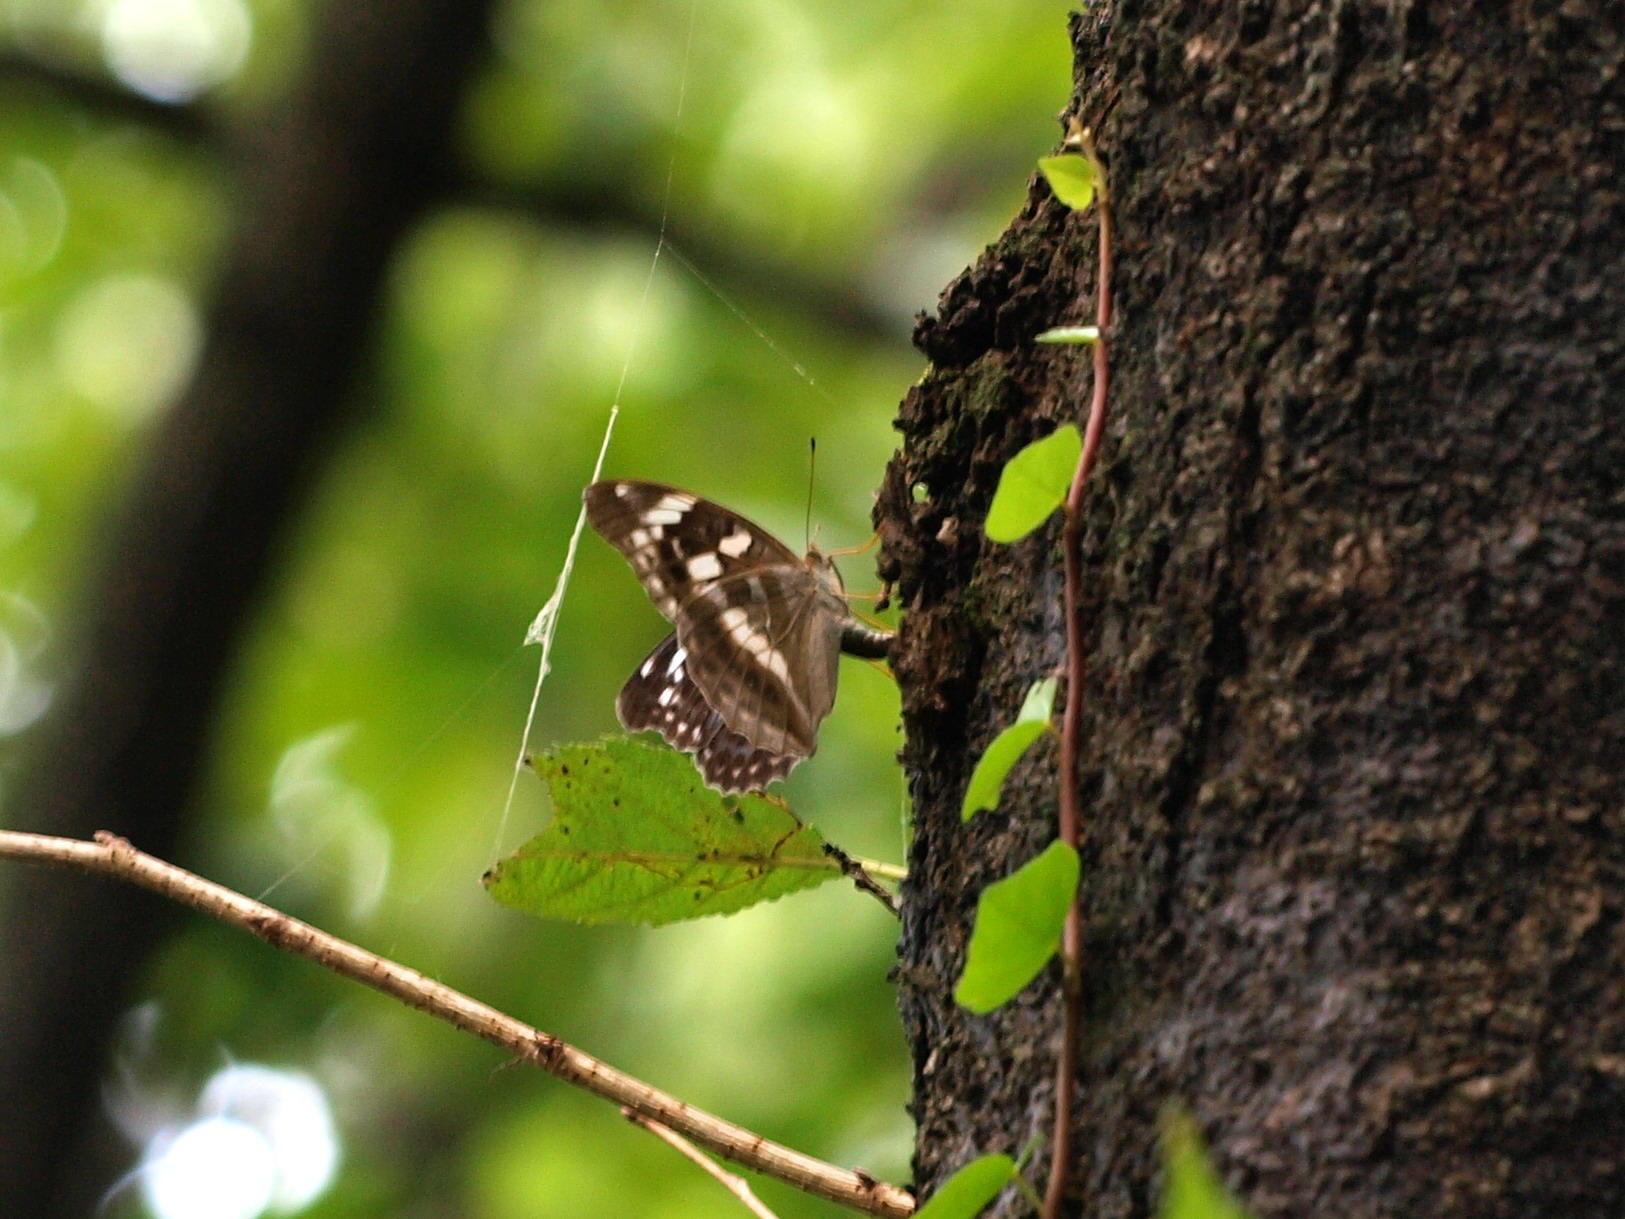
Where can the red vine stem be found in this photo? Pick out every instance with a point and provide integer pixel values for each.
(1076, 662)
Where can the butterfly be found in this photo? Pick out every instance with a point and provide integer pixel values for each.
(749, 673)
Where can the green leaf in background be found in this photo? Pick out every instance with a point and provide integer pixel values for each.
(1071, 177)
(1018, 926)
(637, 837)
(1069, 334)
(963, 1195)
(1192, 1189)
(985, 781)
(1033, 484)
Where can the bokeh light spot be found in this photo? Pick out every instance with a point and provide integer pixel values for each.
(217, 1168)
(129, 343)
(33, 216)
(173, 50)
(264, 1143)
(24, 693)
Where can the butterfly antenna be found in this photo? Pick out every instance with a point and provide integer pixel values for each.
(812, 468)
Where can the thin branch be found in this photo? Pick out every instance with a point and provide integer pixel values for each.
(737, 1186)
(861, 878)
(113, 856)
(759, 273)
(74, 83)
(1071, 721)
(880, 869)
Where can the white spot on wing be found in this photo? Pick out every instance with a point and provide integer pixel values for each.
(639, 538)
(677, 501)
(704, 567)
(663, 516)
(774, 660)
(648, 667)
(622, 490)
(735, 544)
(666, 695)
(733, 621)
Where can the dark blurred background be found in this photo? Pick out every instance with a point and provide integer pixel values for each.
(830, 167)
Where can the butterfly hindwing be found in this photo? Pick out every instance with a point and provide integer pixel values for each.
(771, 662)
(661, 696)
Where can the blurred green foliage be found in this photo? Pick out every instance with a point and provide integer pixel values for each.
(858, 151)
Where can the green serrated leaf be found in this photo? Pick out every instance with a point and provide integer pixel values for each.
(1018, 928)
(1033, 484)
(637, 837)
(968, 1191)
(1071, 177)
(1006, 749)
(1191, 1190)
(1069, 334)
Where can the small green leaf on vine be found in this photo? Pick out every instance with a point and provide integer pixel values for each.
(1033, 484)
(968, 1191)
(1069, 334)
(1018, 928)
(637, 837)
(1071, 176)
(1191, 1189)
(985, 781)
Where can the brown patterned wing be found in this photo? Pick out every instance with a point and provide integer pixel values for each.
(677, 543)
(764, 646)
(660, 696)
(760, 627)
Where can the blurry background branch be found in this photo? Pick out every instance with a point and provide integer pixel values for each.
(604, 205)
(72, 84)
(324, 189)
(750, 271)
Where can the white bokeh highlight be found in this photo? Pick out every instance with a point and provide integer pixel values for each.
(263, 1143)
(173, 50)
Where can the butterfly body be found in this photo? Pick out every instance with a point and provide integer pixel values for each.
(750, 671)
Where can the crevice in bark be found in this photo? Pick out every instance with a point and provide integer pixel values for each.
(1354, 706)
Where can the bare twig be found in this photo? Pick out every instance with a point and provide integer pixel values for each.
(735, 1185)
(1076, 664)
(861, 878)
(113, 856)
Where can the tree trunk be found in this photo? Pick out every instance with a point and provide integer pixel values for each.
(1354, 848)
(326, 190)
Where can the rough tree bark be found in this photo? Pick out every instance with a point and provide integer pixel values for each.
(325, 190)
(1355, 849)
